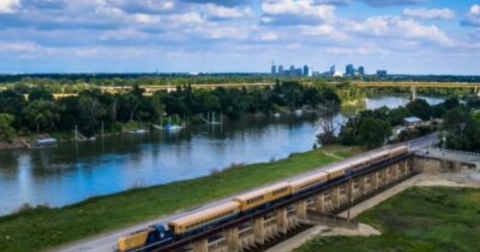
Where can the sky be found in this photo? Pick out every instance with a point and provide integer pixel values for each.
(118, 36)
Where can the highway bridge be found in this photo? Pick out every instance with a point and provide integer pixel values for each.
(149, 90)
(153, 89)
(169, 88)
(418, 84)
(258, 228)
(414, 85)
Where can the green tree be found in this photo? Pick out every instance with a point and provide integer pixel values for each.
(40, 94)
(13, 103)
(42, 114)
(157, 103)
(91, 112)
(7, 132)
(451, 103)
(130, 104)
(420, 108)
(373, 132)
(463, 131)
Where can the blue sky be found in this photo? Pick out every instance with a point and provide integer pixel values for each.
(402, 36)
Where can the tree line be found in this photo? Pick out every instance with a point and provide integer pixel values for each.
(373, 128)
(38, 111)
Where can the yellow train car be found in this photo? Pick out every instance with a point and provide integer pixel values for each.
(133, 241)
(338, 171)
(204, 218)
(397, 151)
(306, 183)
(359, 163)
(263, 196)
(379, 156)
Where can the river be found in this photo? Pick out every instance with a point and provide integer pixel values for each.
(73, 172)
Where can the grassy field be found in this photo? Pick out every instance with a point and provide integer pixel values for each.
(419, 220)
(45, 228)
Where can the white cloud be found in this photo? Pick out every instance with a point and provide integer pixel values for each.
(9, 6)
(323, 31)
(357, 50)
(396, 27)
(186, 18)
(424, 13)
(146, 18)
(473, 16)
(225, 32)
(392, 2)
(290, 12)
(122, 34)
(222, 12)
(19, 47)
(334, 2)
(268, 36)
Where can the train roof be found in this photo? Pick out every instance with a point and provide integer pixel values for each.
(338, 168)
(359, 161)
(379, 154)
(304, 180)
(262, 191)
(192, 218)
(400, 148)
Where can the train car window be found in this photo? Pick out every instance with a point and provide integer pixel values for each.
(279, 191)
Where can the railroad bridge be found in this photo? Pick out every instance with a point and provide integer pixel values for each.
(250, 232)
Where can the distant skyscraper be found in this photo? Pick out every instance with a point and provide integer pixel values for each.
(382, 73)
(350, 70)
(280, 70)
(292, 70)
(298, 72)
(306, 70)
(274, 70)
(361, 70)
(332, 70)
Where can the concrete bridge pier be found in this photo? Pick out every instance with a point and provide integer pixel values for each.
(477, 92)
(363, 185)
(342, 194)
(386, 176)
(413, 95)
(319, 202)
(282, 220)
(374, 180)
(335, 198)
(201, 246)
(395, 172)
(301, 209)
(259, 230)
(232, 237)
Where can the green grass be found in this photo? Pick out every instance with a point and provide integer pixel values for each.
(418, 220)
(45, 228)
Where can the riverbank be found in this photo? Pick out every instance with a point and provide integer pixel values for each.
(127, 128)
(44, 228)
(418, 219)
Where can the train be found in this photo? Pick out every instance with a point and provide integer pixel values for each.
(158, 235)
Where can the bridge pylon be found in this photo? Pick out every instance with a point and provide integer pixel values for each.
(413, 95)
(477, 92)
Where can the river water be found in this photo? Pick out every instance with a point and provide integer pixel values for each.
(73, 172)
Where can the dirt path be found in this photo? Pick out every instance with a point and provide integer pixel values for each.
(363, 230)
(333, 155)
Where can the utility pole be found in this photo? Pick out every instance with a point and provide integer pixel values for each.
(444, 148)
(349, 197)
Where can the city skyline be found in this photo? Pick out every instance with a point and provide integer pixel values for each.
(114, 36)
